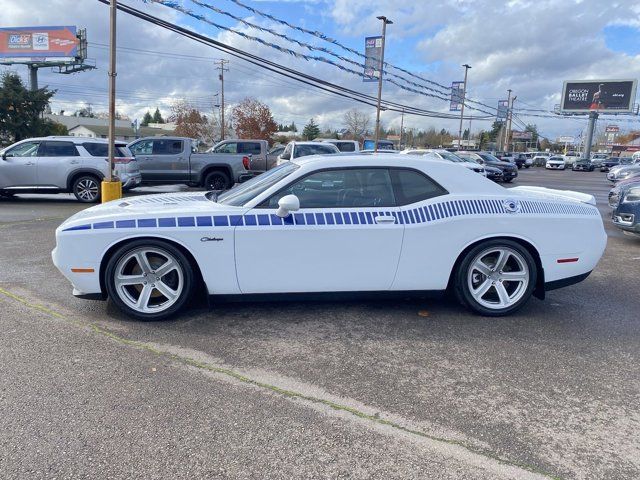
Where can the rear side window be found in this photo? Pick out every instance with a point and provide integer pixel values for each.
(346, 146)
(58, 149)
(252, 148)
(143, 147)
(167, 147)
(97, 149)
(411, 186)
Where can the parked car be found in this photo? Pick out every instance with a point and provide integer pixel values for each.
(273, 154)
(493, 173)
(583, 165)
(64, 164)
(518, 159)
(370, 144)
(528, 159)
(556, 163)
(540, 159)
(369, 151)
(256, 150)
(441, 154)
(302, 149)
(571, 157)
(345, 146)
(615, 191)
(509, 170)
(626, 208)
(623, 172)
(167, 160)
(335, 223)
(608, 164)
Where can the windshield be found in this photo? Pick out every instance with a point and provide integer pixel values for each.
(450, 156)
(305, 150)
(243, 192)
(487, 157)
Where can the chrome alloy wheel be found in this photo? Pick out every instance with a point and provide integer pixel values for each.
(148, 280)
(498, 277)
(87, 189)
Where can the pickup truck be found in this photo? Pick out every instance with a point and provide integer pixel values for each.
(168, 160)
(257, 149)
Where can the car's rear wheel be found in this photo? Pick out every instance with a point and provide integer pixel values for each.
(86, 188)
(217, 180)
(496, 277)
(508, 180)
(149, 279)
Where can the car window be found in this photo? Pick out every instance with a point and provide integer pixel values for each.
(487, 157)
(244, 192)
(252, 148)
(102, 150)
(276, 150)
(143, 147)
(227, 148)
(450, 156)
(411, 186)
(58, 149)
(341, 188)
(167, 147)
(26, 149)
(346, 146)
(305, 150)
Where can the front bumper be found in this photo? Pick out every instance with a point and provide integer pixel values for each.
(130, 181)
(554, 166)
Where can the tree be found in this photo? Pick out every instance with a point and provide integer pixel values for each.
(534, 132)
(311, 130)
(21, 109)
(157, 117)
(85, 112)
(253, 119)
(357, 123)
(189, 121)
(146, 119)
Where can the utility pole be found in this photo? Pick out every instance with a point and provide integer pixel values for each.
(111, 186)
(401, 128)
(506, 124)
(464, 92)
(33, 77)
(221, 66)
(508, 137)
(385, 22)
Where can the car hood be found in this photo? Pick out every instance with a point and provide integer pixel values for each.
(555, 160)
(150, 206)
(544, 193)
(501, 164)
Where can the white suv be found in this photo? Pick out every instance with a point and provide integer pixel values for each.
(302, 149)
(62, 165)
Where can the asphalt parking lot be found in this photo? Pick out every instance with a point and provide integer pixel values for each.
(407, 388)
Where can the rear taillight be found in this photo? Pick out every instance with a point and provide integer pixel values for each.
(122, 160)
(246, 162)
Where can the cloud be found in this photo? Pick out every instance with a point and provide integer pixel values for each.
(530, 47)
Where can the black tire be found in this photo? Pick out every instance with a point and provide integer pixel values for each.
(217, 180)
(188, 278)
(527, 166)
(461, 276)
(507, 180)
(87, 188)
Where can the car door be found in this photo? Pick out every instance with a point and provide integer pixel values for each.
(347, 236)
(170, 162)
(18, 167)
(56, 160)
(142, 149)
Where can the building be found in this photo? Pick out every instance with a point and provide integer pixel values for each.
(99, 127)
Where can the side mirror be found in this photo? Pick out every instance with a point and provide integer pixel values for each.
(4, 156)
(286, 205)
(285, 156)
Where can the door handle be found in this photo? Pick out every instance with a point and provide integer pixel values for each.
(74, 162)
(29, 163)
(385, 219)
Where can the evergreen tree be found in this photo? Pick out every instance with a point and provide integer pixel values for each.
(146, 119)
(157, 117)
(311, 130)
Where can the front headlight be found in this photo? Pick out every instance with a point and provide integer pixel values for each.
(632, 195)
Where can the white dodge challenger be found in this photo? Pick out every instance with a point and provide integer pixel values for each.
(326, 224)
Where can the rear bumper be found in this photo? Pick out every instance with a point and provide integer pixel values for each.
(130, 180)
(565, 282)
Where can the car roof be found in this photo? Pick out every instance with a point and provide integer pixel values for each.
(451, 175)
(74, 139)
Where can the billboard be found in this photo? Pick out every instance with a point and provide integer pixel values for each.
(612, 128)
(565, 139)
(614, 96)
(372, 52)
(457, 93)
(521, 135)
(503, 108)
(39, 44)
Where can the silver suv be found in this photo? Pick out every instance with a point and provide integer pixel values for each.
(62, 165)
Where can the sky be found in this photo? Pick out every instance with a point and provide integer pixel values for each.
(528, 46)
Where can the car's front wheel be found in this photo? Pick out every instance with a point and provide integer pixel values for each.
(86, 188)
(149, 279)
(496, 277)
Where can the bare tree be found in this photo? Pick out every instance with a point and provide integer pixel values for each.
(357, 123)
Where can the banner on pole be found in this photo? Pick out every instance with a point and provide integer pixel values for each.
(457, 93)
(373, 53)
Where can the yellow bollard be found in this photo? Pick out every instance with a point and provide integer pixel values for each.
(111, 190)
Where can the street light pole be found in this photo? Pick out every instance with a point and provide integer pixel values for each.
(506, 124)
(464, 92)
(385, 22)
